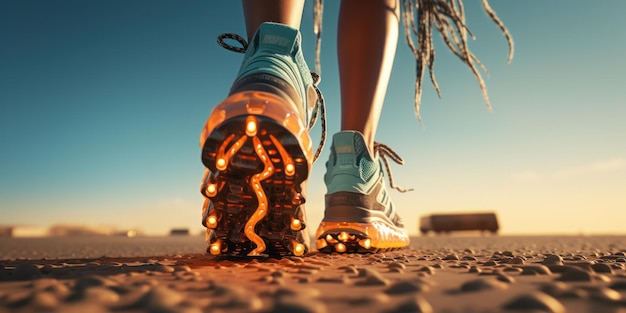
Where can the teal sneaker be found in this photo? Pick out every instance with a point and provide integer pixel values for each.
(359, 214)
(257, 150)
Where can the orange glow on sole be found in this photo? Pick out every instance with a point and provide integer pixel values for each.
(378, 235)
(261, 211)
(290, 169)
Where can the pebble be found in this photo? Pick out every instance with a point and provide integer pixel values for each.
(512, 269)
(602, 268)
(517, 260)
(552, 259)
(416, 304)
(162, 268)
(556, 268)
(44, 301)
(94, 281)
(474, 269)
(24, 271)
(182, 268)
(483, 284)
(451, 257)
(536, 269)
(602, 293)
(575, 274)
(286, 262)
(505, 278)
(101, 295)
(159, 297)
(296, 305)
(297, 259)
(373, 278)
(404, 287)
(535, 301)
(396, 265)
(427, 269)
(43, 283)
(490, 263)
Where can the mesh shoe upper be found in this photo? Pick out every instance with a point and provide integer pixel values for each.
(275, 51)
(355, 182)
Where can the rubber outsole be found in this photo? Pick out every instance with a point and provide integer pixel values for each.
(254, 182)
(349, 237)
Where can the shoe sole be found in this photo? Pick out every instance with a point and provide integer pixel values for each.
(349, 237)
(257, 154)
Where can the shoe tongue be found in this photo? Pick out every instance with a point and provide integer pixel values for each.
(277, 37)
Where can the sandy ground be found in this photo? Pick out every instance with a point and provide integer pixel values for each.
(437, 274)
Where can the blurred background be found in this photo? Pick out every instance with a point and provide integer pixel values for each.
(102, 103)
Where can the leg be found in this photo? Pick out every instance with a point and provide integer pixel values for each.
(366, 43)
(359, 214)
(256, 12)
(255, 144)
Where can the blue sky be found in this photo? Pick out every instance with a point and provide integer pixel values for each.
(102, 103)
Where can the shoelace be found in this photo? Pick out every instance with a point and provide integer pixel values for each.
(320, 106)
(385, 151)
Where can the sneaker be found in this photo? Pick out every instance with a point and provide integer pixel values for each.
(359, 214)
(257, 151)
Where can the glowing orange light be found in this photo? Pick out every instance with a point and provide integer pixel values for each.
(251, 127)
(215, 248)
(365, 243)
(211, 189)
(211, 221)
(298, 249)
(290, 170)
(321, 243)
(296, 224)
(220, 164)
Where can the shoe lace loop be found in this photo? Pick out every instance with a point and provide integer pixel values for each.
(320, 106)
(227, 46)
(383, 152)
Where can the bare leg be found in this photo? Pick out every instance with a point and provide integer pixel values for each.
(256, 12)
(366, 44)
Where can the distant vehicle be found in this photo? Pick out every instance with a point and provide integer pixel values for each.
(179, 232)
(445, 223)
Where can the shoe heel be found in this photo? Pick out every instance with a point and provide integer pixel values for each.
(257, 153)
